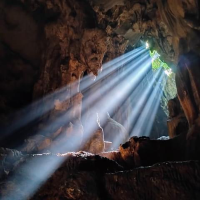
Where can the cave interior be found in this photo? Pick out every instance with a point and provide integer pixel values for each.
(99, 99)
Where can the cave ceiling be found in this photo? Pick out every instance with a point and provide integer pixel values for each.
(163, 23)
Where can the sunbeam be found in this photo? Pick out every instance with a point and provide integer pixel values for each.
(140, 96)
(47, 103)
(106, 102)
(146, 118)
(122, 78)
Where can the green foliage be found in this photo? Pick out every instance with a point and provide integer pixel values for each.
(157, 62)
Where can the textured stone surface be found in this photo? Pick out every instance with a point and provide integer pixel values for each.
(177, 122)
(114, 132)
(61, 43)
(68, 38)
(86, 176)
(141, 151)
(161, 181)
(188, 94)
(163, 23)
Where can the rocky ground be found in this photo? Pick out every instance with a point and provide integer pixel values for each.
(86, 176)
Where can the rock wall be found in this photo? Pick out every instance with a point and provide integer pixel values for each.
(86, 176)
(47, 45)
(188, 94)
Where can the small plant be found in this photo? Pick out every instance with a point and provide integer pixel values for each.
(157, 62)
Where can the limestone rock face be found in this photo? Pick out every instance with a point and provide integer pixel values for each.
(115, 133)
(177, 122)
(141, 151)
(188, 94)
(36, 143)
(150, 178)
(95, 143)
(93, 49)
(93, 140)
(54, 42)
(165, 24)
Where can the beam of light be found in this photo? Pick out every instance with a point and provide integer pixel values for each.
(98, 103)
(59, 121)
(154, 104)
(147, 116)
(123, 58)
(36, 171)
(108, 72)
(111, 87)
(130, 82)
(65, 118)
(126, 81)
(112, 66)
(90, 99)
(42, 169)
(168, 72)
(136, 90)
(141, 95)
(34, 111)
(112, 72)
(46, 167)
(120, 58)
(135, 95)
(42, 106)
(147, 45)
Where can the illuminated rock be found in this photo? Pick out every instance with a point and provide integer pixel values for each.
(114, 132)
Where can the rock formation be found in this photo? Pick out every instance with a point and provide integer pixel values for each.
(83, 176)
(94, 139)
(114, 132)
(177, 122)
